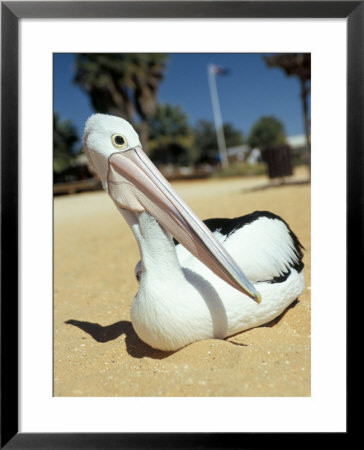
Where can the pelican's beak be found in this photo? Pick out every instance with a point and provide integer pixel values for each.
(135, 184)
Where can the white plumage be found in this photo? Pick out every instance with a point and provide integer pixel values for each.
(180, 300)
(186, 291)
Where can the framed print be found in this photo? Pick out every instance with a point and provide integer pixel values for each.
(49, 417)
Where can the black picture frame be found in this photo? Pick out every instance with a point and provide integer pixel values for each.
(11, 12)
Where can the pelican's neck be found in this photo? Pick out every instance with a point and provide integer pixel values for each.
(156, 246)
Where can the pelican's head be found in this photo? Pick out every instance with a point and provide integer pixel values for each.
(105, 135)
(136, 185)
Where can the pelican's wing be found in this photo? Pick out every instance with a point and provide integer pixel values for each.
(261, 243)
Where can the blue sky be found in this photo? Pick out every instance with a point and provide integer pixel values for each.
(249, 91)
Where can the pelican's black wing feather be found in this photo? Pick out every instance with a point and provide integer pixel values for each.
(227, 227)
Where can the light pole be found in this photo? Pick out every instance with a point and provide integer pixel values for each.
(213, 70)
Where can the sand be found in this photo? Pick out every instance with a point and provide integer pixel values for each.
(96, 351)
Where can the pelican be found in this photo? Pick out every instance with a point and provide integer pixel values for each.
(197, 280)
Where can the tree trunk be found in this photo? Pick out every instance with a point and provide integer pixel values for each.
(304, 97)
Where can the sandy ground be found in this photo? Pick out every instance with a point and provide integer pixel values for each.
(96, 351)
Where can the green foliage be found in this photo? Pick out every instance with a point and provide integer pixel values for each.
(169, 124)
(205, 140)
(266, 132)
(169, 136)
(204, 137)
(64, 139)
(233, 137)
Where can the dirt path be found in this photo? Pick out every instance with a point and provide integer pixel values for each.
(96, 351)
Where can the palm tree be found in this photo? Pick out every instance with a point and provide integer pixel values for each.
(299, 65)
(122, 84)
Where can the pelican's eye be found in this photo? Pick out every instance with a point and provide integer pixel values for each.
(119, 141)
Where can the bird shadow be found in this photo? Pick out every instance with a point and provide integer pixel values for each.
(134, 346)
(139, 349)
(278, 184)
